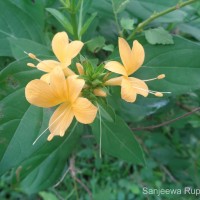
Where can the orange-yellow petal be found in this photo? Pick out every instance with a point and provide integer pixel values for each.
(115, 67)
(60, 120)
(114, 81)
(125, 53)
(84, 111)
(58, 84)
(73, 49)
(39, 93)
(74, 85)
(68, 72)
(137, 57)
(45, 78)
(47, 65)
(59, 45)
(140, 87)
(127, 91)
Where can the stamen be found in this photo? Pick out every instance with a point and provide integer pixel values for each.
(156, 93)
(100, 136)
(33, 56)
(31, 65)
(161, 76)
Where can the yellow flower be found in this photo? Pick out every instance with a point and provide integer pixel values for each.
(65, 92)
(64, 51)
(132, 60)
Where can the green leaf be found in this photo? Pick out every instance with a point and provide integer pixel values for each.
(15, 76)
(118, 140)
(127, 23)
(18, 46)
(26, 22)
(96, 44)
(109, 47)
(158, 36)
(119, 5)
(87, 24)
(48, 196)
(145, 8)
(62, 19)
(191, 28)
(49, 157)
(106, 112)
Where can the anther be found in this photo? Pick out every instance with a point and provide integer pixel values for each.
(31, 65)
(161, 76)
(33, 56)
(158, 94)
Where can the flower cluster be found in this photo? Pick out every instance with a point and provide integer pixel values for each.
(77, 93)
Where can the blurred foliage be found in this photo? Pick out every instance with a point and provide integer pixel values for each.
(172, 158)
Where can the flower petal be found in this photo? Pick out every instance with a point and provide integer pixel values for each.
(125, 53)
(115, 67)
(137, 57)
(60, 120)
(74, 85)
(59, 46)
(140, 87)
(58, 84)
(84, 111)
(73, 49)
(39, 93)
(68, 72)
(47, 65)
(127, 91)
(45, 78)
(114, 81)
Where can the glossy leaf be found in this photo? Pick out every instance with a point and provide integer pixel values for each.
(158, 36)
(87, 24)
(145, 8)
(62, 19)
(18, 46)
(118, 140)
(20, 19)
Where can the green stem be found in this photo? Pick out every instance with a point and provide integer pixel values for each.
(74, 25)
(74, 20)
(116, 20)
(157, 15)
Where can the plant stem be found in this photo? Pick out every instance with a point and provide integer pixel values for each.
(74, 20)
(148, 128)
(74, 25)
(157, 15)
(116, 19)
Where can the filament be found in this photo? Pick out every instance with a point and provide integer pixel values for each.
(100, 136)
(156, 93)
(161, 76)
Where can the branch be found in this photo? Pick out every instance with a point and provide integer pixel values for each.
(73, 174)
(166, 122)
(157, 15)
